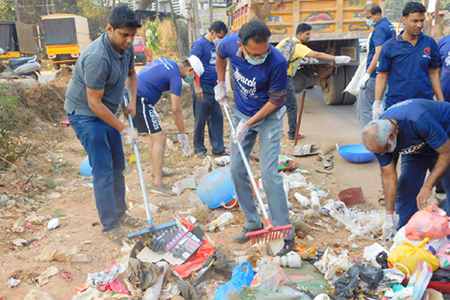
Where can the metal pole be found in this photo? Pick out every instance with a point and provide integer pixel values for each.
(210, 13)
(16, 5)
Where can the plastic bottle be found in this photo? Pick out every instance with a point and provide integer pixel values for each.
(222, 221)
(302, 200)
(290, 260)
(315, 202)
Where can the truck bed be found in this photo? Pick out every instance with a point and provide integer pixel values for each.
(330, 19)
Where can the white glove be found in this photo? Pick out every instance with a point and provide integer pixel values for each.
(388, 228)
(363, 81)
(241, 132)
(344, 59)
(130, 137)
(377, 109)
(221, 93)
(185, 146)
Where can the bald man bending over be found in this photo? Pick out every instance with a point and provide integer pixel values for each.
(419, 129)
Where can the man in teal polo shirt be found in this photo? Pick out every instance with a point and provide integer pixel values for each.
(409, 63)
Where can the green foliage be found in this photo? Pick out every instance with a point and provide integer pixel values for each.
(152, 35)
(14, 120)
(49, 182)
(7, 10)
(58, 214)
(97, 17)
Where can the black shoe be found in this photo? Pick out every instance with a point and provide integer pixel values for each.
(200, 154)
(289, 245)
(242, 237)
(292, 138)
(223, 153)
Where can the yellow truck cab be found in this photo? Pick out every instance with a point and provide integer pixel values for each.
(66, 36)
(17, 39)
(337, 26)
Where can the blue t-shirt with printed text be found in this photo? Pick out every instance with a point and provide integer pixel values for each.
(158, 76)
(408, 68)
(444, 52)
(253, 82)
(384, 30)
(423, 125)
(206, 52)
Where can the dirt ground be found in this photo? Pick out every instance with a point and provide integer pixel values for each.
(49, 184)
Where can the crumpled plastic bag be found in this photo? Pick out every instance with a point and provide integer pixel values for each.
(332, 265)
(363, 225)
(353, 86)
(195, 262)
(431, 222)
(242, 276)
(287, 164)
(269, 277)
(107, 280)
(408, 255)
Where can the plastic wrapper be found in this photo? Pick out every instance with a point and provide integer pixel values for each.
(430, 222)
(363, 225)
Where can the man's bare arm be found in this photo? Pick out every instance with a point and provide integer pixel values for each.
(380, 85)
(440, 169)
(374, 62)
(435, 79)
(389, 180)
(177, 113)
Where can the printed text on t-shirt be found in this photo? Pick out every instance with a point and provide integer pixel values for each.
(250, 84)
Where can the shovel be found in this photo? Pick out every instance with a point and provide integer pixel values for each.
(270, 233)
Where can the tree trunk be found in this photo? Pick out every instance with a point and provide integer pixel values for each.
(113, 4)
(175, 23)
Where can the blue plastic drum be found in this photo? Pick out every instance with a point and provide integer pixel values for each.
(216, 189)
(85, 168)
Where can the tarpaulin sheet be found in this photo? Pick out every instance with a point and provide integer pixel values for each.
(8, 36)
(60, 31)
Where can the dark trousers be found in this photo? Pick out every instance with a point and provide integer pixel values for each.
(207, 111)
(291, 107)
(413, 171)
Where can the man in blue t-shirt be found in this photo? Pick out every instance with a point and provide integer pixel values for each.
(206, 108)
(444, 53)
(419, 129)
(92, 98)
(409, 63)
(260, 79)
(383, 31)
(156, 77)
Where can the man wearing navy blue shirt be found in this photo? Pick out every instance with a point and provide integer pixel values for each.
(260, 80)
(444, 53)
(206, 108)
(409, 63)
(419, 129)
(383, 31)
(158, 76)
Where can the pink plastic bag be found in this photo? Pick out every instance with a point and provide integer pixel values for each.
(430, 222)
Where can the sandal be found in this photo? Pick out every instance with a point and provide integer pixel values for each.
(130, 221)
(116, 235)
(381, 200)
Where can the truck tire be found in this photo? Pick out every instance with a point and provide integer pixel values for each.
(349, 99)
(332, 95)
(56, 67)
